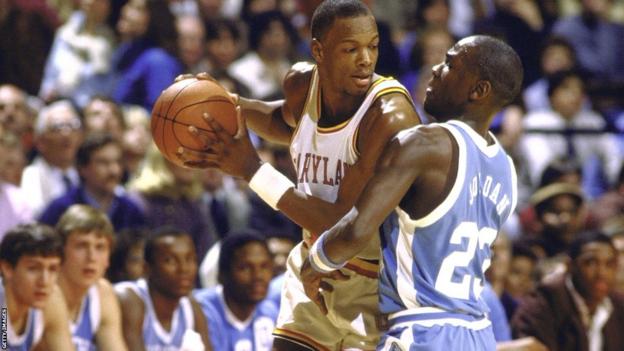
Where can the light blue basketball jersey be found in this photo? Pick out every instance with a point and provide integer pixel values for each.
(155, 337)
(227, 332)
(32, 332)
(84, 329)
(434, 266)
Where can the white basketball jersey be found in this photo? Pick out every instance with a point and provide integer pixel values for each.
(322, 155)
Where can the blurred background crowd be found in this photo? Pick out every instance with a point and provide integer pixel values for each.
(78, 79)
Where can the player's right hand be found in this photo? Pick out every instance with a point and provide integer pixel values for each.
(206, 76)
(314, 285)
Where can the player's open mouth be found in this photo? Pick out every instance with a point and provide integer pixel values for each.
(362, 81)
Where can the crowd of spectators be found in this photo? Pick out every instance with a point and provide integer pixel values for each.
(78, 79)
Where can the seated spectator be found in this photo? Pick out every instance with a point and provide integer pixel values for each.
(156, 312)
(126, 261)
(239, 315)
(615, 229)
(521, 277)
(80, 58)
(568, 130)
(14, 206)
(57, 137)
(170, 195)
(99, 163)
(609, 204)
(226, 206)
(15, 115)
(102, 114)
(36, 317)
(146, 61)
(12, 159)
(94, 315)
(577, 310)
(191, 44)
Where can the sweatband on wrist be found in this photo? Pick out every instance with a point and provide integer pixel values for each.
(319, 260)
(270, 184)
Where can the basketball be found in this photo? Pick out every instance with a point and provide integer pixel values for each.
(182, 105)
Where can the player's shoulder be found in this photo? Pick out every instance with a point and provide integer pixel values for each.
(431, 137)
(105, 289)
(127, 294)
(394, 105)
(299, 75)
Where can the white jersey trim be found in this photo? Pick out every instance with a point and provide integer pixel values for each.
(473, 325)
(409, 224)
(489, 150)
(514, 188)
(229, 315)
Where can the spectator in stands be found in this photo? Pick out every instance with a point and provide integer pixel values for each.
(102, 114)
(609, 204)
(12, 159)
(557, 55)
(239, 315)
(80, 59)
(521, 277)
(95, 318)
(157, 313)
(126, 261)
(596, 39)
(99, 163)
(146, 61)
(262, 69)
(14, 206)
(615, 229)
(170, 195)
(15, 116)
(34, 310)
(577, 310)
(568, 130)
(191, 44)
(58, 133)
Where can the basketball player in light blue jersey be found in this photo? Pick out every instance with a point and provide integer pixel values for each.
(94, 314)
(157, 313)
(444, 191)
(239, 315)
(34, 315)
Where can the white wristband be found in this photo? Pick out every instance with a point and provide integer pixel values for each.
(319, 260)
(270, 184)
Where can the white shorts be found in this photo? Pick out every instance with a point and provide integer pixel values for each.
(353, 306)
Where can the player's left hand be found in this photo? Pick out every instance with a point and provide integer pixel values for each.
(314, 285)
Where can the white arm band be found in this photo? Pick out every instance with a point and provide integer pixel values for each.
(319, 260)
(270, 184)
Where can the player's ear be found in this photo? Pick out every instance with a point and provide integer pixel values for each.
(6, 270)
(317, 50)
(481, 90)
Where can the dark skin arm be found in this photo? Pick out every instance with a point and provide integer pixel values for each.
(132, 311)
(201, 327)
(413, 173)
(236, 156)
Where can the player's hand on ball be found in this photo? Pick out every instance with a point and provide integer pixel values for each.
(314, 285)
(235, 155)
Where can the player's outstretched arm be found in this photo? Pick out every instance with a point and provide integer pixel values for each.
(109, 336)
(56, 335)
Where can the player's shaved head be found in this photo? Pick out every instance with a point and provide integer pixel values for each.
(497, 63)
(329, 10)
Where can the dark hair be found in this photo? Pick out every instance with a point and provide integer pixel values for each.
(499, 64)
(119, 116)
(92, 143)
(555, 40)
(157, 234)
(30, 239)
(260, 24)
(559, 167)
(126, 240)
(583, 239)
(556, 80)
(420, 11)
(218, 25)
(523, 249)
(232, 242)
(327, 12)
(161, 30)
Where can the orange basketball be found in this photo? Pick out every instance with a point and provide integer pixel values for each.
(183, 104)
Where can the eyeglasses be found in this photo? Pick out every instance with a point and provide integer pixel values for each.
(67, 126)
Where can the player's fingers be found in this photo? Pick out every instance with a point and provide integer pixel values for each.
(183, 77)
(214, 124)
(242, 125)
(338, 275)
(326, 286)
(320, 302)
(205, 76)
(205, 137)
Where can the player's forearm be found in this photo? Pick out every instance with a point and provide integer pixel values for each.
(347, 238)
(265, 119)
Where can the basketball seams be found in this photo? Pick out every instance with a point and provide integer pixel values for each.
(164, 144)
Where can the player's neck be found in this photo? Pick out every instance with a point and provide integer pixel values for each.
(18, 312)
(164, 306)
(74, 294)
(337, 108)
(242, 311)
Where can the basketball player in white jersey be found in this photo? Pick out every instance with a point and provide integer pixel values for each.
(94, 314)
(337, 116)
(444, 191)
(32, 304)
(157, 312)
